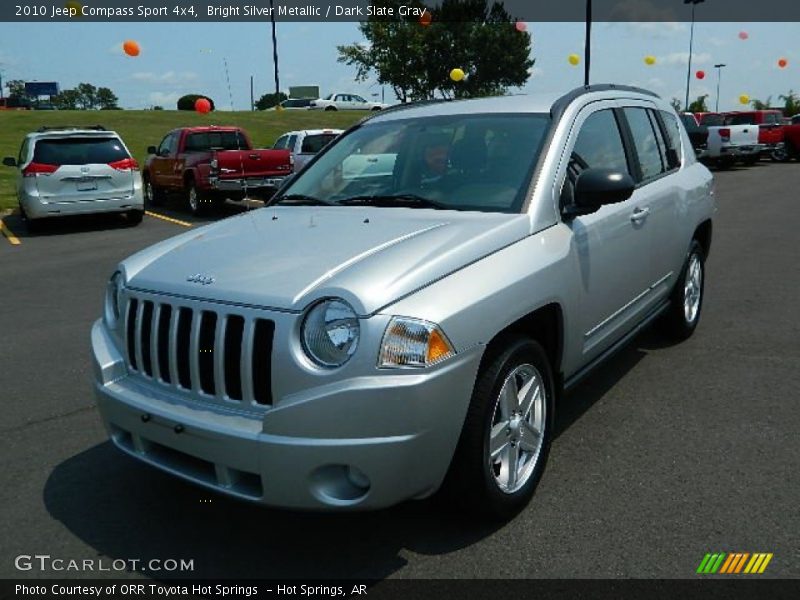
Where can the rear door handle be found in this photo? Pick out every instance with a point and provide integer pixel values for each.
(640, 214)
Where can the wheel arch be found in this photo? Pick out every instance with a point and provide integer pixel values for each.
(703, 235)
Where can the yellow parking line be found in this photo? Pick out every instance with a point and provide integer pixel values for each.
(12, 239)
(167, 219)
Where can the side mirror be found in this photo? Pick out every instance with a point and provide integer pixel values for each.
(152, 150)
(10, 161)
(597, 187)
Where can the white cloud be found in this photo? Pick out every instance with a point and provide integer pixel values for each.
(168, 78)
(652, 30)
(642, 11)
(165, 99)
(681, 59)
(535, 72)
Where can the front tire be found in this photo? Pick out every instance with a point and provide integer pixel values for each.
(505, 441)
(153, 195)
(330, 108)
(686, 301)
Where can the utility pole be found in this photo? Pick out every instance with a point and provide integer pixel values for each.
(719, 68)
(252, 100)
(691, 46)
(587, 58)
(2, 97)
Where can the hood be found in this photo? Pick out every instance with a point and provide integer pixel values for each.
(288, 257)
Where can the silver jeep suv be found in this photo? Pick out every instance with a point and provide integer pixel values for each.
(376, 334)
(76, 170)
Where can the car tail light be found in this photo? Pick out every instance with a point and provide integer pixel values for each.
(126, 164)
(34, 169)
(725, 134)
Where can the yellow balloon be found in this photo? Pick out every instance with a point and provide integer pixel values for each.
(649, 60)
(457, 74)
(744, 99)
(574, 59)
(74, 7)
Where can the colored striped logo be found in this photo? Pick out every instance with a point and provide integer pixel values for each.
(734, 563)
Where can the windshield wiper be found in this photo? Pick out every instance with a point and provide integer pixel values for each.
(301, 200)
(390, 200)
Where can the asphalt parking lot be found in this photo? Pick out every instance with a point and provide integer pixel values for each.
(667, 453)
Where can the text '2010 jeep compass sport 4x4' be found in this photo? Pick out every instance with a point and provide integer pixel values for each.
(373, 336)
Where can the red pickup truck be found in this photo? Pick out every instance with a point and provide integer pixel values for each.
(208, 164)
(791, 135)
(770, 129)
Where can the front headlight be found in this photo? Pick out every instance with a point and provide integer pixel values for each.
(113, 304)
(413, 343)
(330, 333)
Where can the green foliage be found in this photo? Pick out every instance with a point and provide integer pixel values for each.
(477, 36)
(269, 100)
(87, 96)
(106, 99)
(67, 100)
(16, 88)
(759, 105)
(699, 105)
(676, 104)
(791, 104)
(187, 102)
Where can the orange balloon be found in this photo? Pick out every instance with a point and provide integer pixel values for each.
(202, 105)
(131, 48)
(426, 19)
(782, 63)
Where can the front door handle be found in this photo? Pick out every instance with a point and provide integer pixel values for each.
(640, 214)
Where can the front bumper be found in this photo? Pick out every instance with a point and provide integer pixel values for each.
(261, 458)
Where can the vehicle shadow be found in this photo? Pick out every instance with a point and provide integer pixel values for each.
(124, 509)
(65, 225)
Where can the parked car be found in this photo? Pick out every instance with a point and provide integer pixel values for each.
(729, 144)
(14, 103)
(792, 141)
(338, 101)
(362, 341)
(76, 170)
(305, 144)
(770, 130)
(206, 165)
(296, 104)
(796, 120)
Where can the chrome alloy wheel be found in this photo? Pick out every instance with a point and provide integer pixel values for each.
(692, 289)
(517, 430)
(194, 201)
(148, 192)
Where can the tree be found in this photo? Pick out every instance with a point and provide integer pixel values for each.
(187, 102)
(477, 36)
(67, 100)
(759, 105)
(16, 89)
(699, 105)
(106, 99)
(676, 104)
(269, 100)
(791, 104)
(87, 96)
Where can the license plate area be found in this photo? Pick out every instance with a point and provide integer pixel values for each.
(86, 185)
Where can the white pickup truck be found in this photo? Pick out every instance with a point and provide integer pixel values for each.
(728, 144)
(304, 144)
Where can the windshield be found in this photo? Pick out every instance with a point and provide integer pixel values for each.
(479, 162)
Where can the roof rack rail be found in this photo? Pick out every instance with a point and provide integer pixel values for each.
(68, 127)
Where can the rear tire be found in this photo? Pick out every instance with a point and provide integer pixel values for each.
(331, 108)
(134, 217)
(686, 301)
(505, 441)
(197, 201)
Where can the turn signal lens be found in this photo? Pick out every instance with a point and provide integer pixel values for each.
(413, 343)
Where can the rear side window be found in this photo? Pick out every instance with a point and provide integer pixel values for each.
(79, 151)
(673, 130)
(314, 143)
(646, 141)
(214, 140)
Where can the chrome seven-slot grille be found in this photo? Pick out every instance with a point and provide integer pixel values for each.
(222, 357)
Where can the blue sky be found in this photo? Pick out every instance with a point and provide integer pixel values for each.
(182, 58)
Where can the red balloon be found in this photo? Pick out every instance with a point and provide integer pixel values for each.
(521, 26)
(743, 35)
(701, 74)
(782, 63)
(425, 19)
(202, 106)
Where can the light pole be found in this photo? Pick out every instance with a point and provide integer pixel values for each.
(274, 48)
(719, 68)
(587, 51)
(691, 46)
